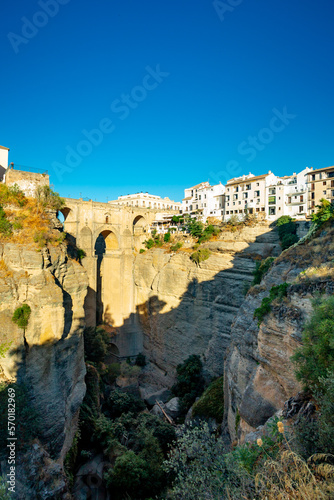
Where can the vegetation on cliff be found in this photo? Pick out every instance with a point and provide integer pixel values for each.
(28, 220)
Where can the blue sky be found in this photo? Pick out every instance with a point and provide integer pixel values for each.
(180, 92)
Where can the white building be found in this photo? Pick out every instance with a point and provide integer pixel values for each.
(3, 160)
(147, 200)
(287, 195)
(204, 200)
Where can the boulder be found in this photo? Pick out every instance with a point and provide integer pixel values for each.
(162, 395)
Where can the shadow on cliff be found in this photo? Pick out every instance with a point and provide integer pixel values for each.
(200, 321)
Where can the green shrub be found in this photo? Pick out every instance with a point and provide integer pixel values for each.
(211, 403)
(142, 250)
(288, 240)
(149, 243)
(47, 198)
(122, 402)
(200, 255)
(287, 230)
(189, 382)
(316, 355)
(110, 374)
(261, 269)
(276, 292)
(176, 247)
(96, 344)
(194, 227)
(21, 316)
(5, 225)
(284, 219)
(167, 238)
(81, 254)
(325, 211)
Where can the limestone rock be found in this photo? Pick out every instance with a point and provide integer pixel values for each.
(161, 395)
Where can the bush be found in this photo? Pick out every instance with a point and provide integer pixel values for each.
(189, 382)
(261, 269)
(200, 255)
(122, 402)
(316, 355)
(194, 227)
(49, 199)
(325, 211)
(167, 238)
(149, 243)
(96, 344)
(276, 292)
(288, 240)
(142, 250)
(12, 195)
(211, 403)
(21, 316)
(287, 231)
(5, 225)
(176, 247)
(81, 254)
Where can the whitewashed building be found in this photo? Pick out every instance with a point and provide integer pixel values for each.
(204, 200)
(147, 200)
(3, 161)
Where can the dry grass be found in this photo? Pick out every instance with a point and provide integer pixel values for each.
(5, 272)
(292, 478)
(31, 225)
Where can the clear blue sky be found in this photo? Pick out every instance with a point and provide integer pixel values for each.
(226, 73)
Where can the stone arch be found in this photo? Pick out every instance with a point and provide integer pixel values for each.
(86, 238)
(139, 225)
(106, 239)
(63, 214)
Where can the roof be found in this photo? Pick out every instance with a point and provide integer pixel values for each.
(199, 185)
(249, 179)
(3, 147)
(318, 170)
(188, 198)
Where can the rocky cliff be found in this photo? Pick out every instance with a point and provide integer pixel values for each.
(259, 375)
(48, 356)
(186, 308)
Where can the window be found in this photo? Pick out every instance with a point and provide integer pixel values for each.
(257, 183)
(301, 198)
(248, 186)
(313, 177)
(257, 209)
(239, 202)
(235, 196)
(227, 212)
(324, 183)
(272, 200)
(256, 194)
(312, 187)
(236, 189)
(324, 192)
(332, 193)
(272, 211)
(312, 196)
(245, 196)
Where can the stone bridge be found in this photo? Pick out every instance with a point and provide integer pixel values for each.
(110, 235)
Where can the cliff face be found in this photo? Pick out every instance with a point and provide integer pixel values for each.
(188, 309)
(48, 356)
(259, 375)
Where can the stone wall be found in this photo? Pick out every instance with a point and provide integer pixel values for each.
(27, 181)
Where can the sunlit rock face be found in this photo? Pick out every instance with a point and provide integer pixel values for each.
(259, 374)
(48, 356)
(186, 308)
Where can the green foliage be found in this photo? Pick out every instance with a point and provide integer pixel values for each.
(194, 227)
(12, 195)
(111, 372)
(261, 269)
(208, 232)
(26, 417)
(4, 347)
(142, 250)
(96, 344)
(176, 247)
(5, 225)
(122, 402)
(49, 199)
(21, 316)
(325, 211)
(211, 403)
(149, 243)
(287, 231)
(316, 355)
(284, 219)
(167, 237)
(276, 292)
(4, 494)
(237, 421)
(71, 458)
(200, 468)
(178, 219)
(200, 255)
(80, 254)
(189, 382)
(141, 360)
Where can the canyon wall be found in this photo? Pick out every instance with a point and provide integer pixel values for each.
(48, 356)
(185, 309)
(259, 375)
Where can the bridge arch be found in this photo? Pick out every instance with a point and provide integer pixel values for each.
(63, 214)
(139, 224)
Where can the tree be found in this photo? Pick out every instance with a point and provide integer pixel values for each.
(21, 316)
(325, 212)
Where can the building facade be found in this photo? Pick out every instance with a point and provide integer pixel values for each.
(146, 200)
(204, 200)
(320, 184)
(3, 161)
